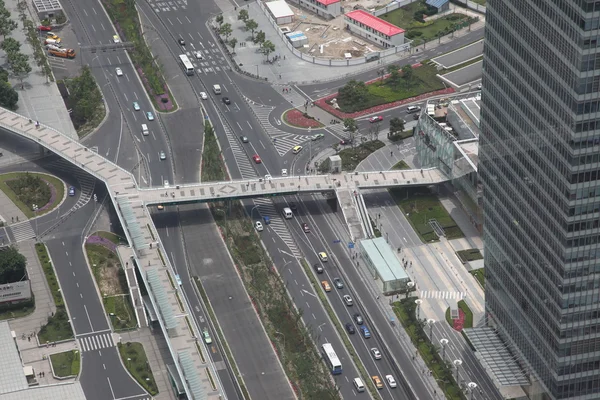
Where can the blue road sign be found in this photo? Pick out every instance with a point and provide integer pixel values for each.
(350, 245)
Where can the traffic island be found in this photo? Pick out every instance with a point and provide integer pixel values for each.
(135, 360)
(353, 156)
(58, 328)
(406, 312)
(111, 281)
(35, 194)
(401, 165)
(65, 365)
(298, 119)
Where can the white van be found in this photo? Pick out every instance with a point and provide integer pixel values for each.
(145, 131)
(413, 109)
(287, 213)
(217, 89)
(358, 384)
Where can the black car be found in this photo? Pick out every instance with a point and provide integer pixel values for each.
(338, 283)
(293, 206)
(416, 116)
(350, 328)
(226, 100)
(244, 139)
(318, 268)
(181, 41)
(359, 320)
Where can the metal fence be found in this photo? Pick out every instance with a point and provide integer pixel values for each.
(392, 6)
(471, 4)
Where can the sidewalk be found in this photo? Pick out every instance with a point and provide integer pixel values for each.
(39, 99)
(158, 356)
(39, 359)
(9, 212)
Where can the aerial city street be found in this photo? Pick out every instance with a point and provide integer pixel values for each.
(286, 199)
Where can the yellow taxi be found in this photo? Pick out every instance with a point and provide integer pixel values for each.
(377, 382)
(326, 286)
(323, 256)
(297, 149)
(51, 35)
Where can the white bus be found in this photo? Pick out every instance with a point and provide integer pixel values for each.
(331, 359)
(186, 64)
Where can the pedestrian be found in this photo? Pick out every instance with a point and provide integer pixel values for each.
(29, 338)
(12, 219)
(279, 76)
(284, 56)
(283, 90)
(391, 153)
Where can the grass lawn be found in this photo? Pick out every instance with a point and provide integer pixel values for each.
(66, 364)
(58, 328)
(424, 80)
(135, 360)
(28, 191)
(401, 165)
(17, 312)
(116, 239)
(479, 274)
(124, 315)
(468, 314)
(353, 156)
(401, 136)
(469, 255)
(404, 17)
(107, 270)
(420, 205)
(212, 169)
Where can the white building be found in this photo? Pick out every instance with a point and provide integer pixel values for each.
(374, 29)
(281, 12)
(327, 9)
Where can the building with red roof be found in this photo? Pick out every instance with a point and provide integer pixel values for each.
(327, 9)
(374, 29)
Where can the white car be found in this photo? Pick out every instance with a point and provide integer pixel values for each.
(119, 71)
(268, 177)
(284, 172)
(391, 381)
(163, 156)
(375, 353)
(198, 55)
(203, 95)
(348, 300)
(258, 226)
(166, 184)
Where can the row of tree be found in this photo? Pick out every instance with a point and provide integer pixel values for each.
(251, 25)
(396, 128)
(12, 265)
(84, 97)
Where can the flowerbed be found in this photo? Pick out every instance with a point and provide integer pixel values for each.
(295, 117)
(340, 114)
(102, 242)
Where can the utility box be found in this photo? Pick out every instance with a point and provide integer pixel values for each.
(336, 164)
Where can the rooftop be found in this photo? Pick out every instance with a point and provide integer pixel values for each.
(47, 5)
(70, 391)
(328, 2)
(374, 23)
(383, 258)
(279, 9)
(12, 378)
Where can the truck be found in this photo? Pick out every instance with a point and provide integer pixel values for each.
(217, 89)
(64, 53)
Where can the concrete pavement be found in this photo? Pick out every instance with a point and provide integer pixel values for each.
(39, 99)
(10, 214)
(157, 352)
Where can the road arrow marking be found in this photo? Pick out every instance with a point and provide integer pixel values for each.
(308, 293)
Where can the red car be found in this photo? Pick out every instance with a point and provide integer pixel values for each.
(376, 119)
(256, 158)
(45, 28)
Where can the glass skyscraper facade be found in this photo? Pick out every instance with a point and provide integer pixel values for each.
(540, 169)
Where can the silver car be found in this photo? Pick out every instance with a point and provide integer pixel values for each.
(163, 155)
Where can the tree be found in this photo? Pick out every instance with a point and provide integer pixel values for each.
(12, 265)
(243, 15)
(394, 78)
(7, 25)
(8, 96)
(268, 48)
(85, 96)
(251, 25)
(10, 45)
(396, 127)
(374, 130)
(232, 43)
(225, 30)
(351, 127)
(19, 65)
(220, 20)
(407, 73)
(3, 75)
(259, 38)
(354, 92)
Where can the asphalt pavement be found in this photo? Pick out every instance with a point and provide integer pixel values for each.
(460, 56)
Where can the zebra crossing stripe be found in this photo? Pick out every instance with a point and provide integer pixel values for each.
(96, 342)
(442, 294)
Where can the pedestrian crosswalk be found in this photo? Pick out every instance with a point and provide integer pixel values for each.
(283, 141)
(96, 342)
(212, 60)
(21, 231)
(266, 208)
(442, 294)
(165, 6)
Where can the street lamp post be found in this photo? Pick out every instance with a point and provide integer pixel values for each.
(418, 303)
(35, 210)
(409, 287)
(430, 322)
(252, 212)
(444, 342)
(457, 363)
(472, 386)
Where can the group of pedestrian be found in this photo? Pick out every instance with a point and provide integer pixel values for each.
(41, 374)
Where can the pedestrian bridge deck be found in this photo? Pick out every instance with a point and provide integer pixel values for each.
(248, 188)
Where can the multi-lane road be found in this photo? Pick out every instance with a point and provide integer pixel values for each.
(180, 136)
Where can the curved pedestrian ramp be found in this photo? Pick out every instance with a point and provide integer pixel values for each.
(130, 203)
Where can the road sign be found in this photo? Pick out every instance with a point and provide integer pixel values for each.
(350, 245)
